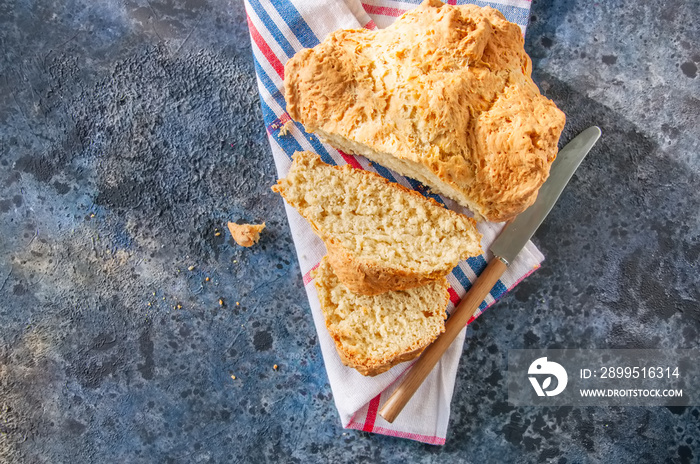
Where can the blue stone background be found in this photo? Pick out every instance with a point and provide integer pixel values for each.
(130, 133)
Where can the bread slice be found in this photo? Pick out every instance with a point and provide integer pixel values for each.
(444, 95)
(374, 333)
(380, 236)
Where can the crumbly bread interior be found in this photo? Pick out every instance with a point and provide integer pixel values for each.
(373, 333)
(376, 220)
(406, 167)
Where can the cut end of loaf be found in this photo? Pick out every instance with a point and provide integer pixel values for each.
(374, 333)
(414, 170)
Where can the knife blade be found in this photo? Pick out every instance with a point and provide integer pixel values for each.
(516, 234)
(505, 249)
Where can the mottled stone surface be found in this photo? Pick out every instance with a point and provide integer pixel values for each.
(130, 133)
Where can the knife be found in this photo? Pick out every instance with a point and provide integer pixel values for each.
(505, 249)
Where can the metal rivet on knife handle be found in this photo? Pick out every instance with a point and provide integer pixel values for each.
(505, 248)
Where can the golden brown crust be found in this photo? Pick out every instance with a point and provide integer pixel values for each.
(446, 89)
(371, 278)
(376, 369)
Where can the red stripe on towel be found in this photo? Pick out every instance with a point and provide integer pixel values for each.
(383, 10)
(265, 49)
(350, 160)
(372, 414)
(429, 439)
(454, 298)
(307, 277)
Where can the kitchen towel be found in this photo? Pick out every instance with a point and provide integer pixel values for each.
(279, 29)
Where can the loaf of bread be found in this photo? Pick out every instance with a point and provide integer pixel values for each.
(380, 236)
(374, 333)
(444, 95)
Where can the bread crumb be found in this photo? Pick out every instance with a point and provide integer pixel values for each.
(221, 301)
(217, 234)
(206, 279)
(191, 268)
(238, 303)
(285, 128)
(274, 367)
(233, 377)
(246, 235)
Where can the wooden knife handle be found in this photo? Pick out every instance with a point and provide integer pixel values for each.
(458, 319)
